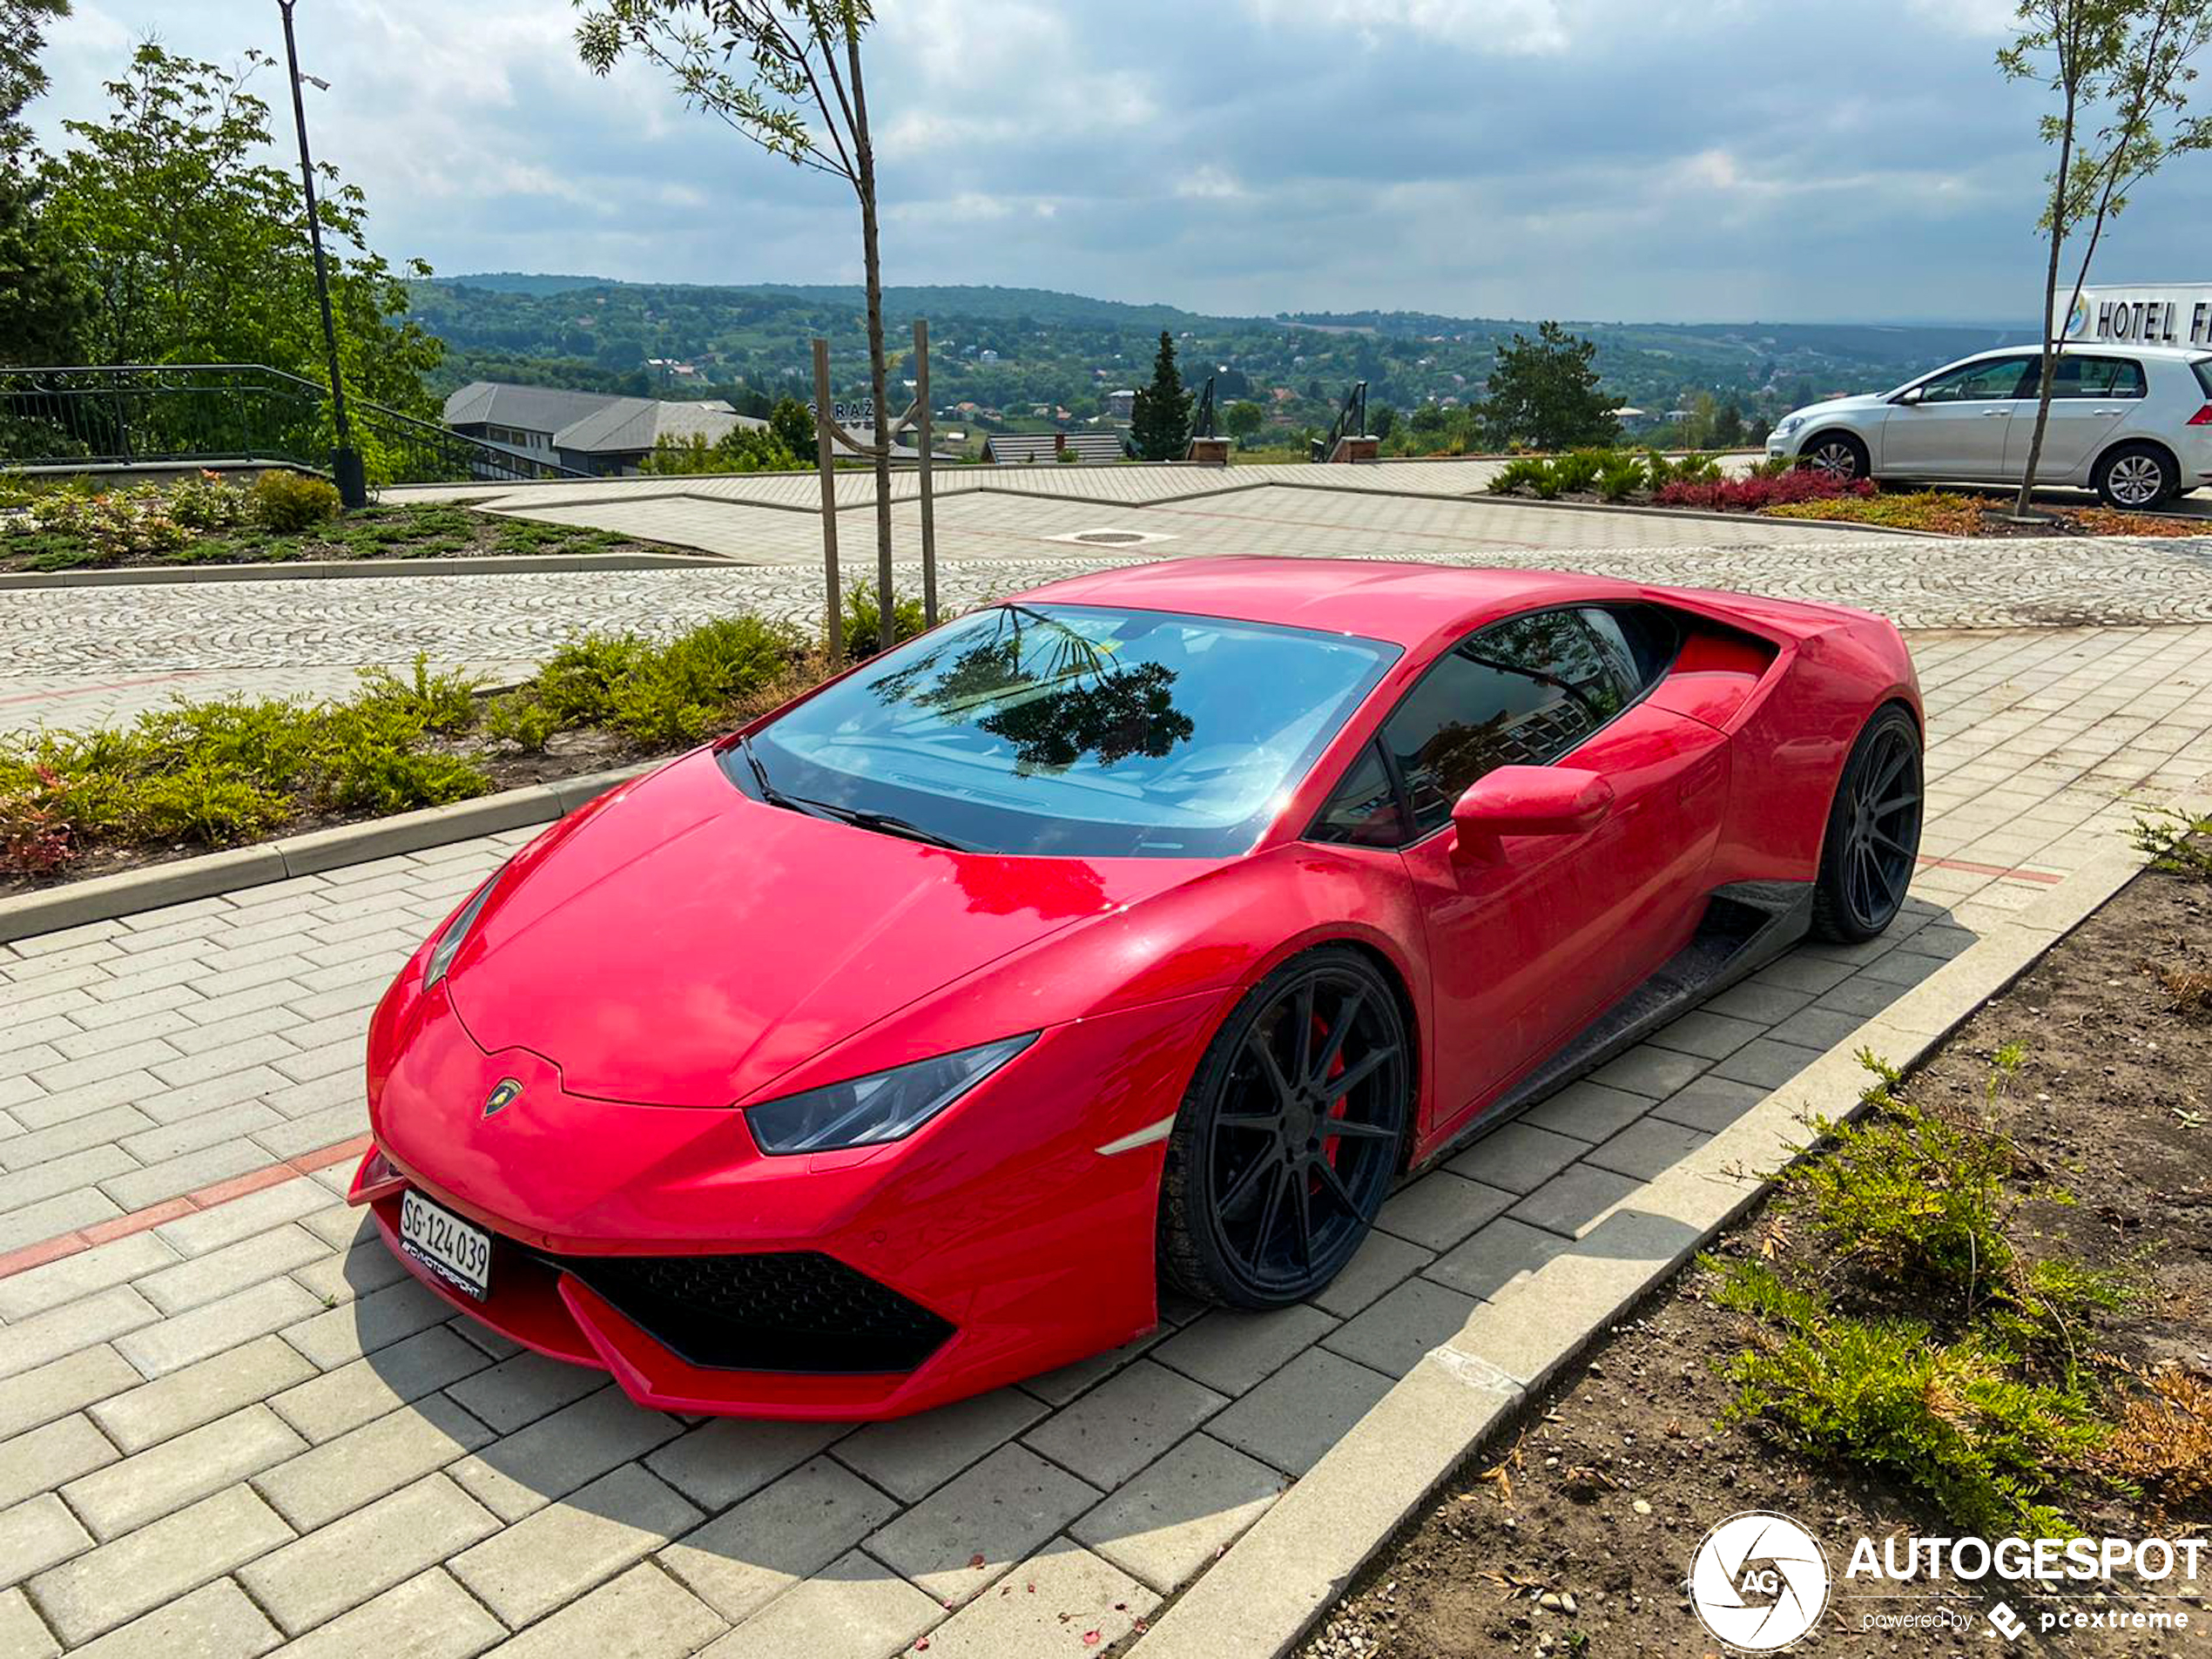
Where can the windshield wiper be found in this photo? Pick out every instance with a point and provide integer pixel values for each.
(883, 823)
(769, 792)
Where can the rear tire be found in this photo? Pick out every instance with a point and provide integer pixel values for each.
(1289, 1136)
(1873, 837)
(2137, 477)
(1837, 454)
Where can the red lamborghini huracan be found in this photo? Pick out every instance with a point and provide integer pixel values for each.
(1150, 926)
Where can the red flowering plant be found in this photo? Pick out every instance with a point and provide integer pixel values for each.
(1755, 492)
(34, 836)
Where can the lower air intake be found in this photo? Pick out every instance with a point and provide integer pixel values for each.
(785, 1311)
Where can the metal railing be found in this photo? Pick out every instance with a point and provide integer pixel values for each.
(1202, 417)
(138, 413)
(1351, 422)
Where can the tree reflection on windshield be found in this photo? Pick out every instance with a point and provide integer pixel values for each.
(1051, 692)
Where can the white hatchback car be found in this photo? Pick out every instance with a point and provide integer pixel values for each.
(2132, 422)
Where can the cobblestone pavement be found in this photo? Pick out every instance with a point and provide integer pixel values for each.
(245, 1427)
(81, 656)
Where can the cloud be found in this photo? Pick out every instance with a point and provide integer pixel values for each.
(1600, 158)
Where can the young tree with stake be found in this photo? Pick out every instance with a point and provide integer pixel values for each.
(785, 75)
(2120, 73)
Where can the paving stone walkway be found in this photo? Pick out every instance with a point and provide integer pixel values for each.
(243, 1429)
(79, 657)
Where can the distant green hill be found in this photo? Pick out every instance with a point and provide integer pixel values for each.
(1023, 350)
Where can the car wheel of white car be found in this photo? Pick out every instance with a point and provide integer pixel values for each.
(2134, 476)
(1837, 454)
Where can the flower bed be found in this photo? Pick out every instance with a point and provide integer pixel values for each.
(280, 516)
(1951, 513)
(1761, 492)
(210, 774)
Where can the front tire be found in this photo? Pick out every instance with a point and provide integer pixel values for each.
(1873, 837)
(2136, 477)
(1289, 1136)
(1837, 454)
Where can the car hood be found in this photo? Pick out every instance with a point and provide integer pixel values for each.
(687, 945)
(1839, 406)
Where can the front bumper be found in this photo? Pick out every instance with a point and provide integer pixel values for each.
(656, 1243)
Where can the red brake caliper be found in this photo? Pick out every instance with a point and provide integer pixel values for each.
(1337, 1107)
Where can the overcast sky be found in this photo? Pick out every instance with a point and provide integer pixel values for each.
(1592, 159)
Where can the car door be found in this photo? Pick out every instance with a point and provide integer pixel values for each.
(2090, 395)
(1527, 946)
(1955, 424)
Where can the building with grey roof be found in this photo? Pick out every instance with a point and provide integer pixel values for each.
(592, 432)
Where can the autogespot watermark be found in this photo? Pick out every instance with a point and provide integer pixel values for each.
(1761, 1582)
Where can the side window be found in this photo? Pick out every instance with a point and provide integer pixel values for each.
(2110, 377)
(1521, 692)
(1977, 382)
(1641, 639)
(1364, 810)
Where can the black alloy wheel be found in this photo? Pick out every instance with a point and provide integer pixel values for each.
(1873, 839)
(1289, 1137)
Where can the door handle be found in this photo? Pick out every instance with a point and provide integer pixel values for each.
(1996, 414)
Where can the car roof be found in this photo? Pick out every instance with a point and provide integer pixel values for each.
(2102, 347)
(1402, 602)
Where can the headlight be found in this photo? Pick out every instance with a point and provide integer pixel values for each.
(884, 1106)
(456, 932)
(1788, 424)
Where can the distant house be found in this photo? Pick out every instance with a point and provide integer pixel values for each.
(1025, 449)
(592, 432)
(1121, 405)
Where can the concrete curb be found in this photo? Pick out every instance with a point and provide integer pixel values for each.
(144, 576)
(1261, 1598)
(104, 897)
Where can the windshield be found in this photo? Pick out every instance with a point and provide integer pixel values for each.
(1073, 729)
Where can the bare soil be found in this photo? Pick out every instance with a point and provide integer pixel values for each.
(1621, 1469)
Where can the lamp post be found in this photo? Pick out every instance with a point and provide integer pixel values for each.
(345, 461)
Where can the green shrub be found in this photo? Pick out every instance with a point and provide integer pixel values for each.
(679, 693)
(521, 719)
(863, 618)
(382, 774)
(288, 503)
(230, 769)
(577, 683)
(1578, 471)
(1519, 474)
(2176, 842)
(435, 701)
(207, 501)
(218, 805)
(1952, 1420)
(1621, 477)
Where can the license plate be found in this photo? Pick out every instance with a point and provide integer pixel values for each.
(451, 1248)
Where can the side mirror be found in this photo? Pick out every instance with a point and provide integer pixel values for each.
(1912, 394)
(1528, 800)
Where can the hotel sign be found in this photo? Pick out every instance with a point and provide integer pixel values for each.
(2174, 314)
